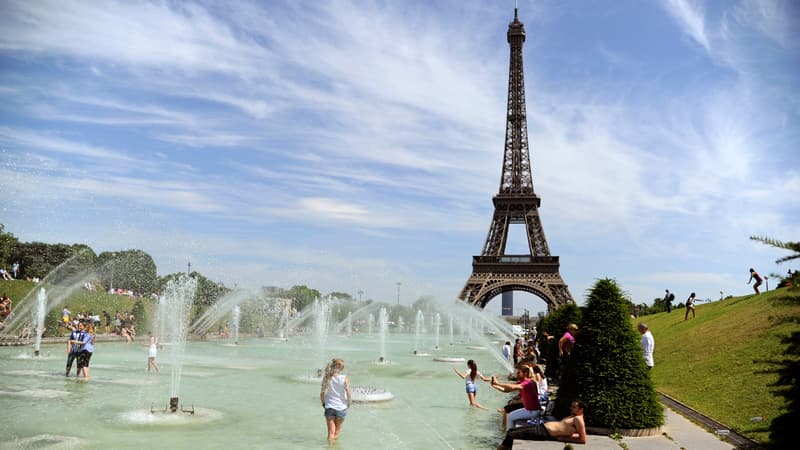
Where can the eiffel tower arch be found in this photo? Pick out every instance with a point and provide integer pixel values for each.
(493, 271)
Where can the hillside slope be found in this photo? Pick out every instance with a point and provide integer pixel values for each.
(718, 363)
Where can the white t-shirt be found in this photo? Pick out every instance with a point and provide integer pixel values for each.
(336, 396)
(648, 345)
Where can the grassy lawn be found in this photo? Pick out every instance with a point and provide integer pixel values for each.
(717, 363)
(80, 301)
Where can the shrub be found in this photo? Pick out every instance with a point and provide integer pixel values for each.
(607, 369)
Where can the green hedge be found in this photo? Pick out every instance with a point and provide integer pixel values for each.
(607, 369)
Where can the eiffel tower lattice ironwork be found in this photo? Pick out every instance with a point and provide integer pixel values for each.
(494, 272)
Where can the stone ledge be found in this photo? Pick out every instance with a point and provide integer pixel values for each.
(628, 432)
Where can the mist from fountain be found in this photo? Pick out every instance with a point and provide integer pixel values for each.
(450, 328)
(437, 323)
(322, 314)
(60, 283)
(177, 298)
(38, 321)
(221, 308)
(481, 324)
(370, 323)
(419, 326)
(359, 314)
(383, 329)
(160, 319)
(350, 323)
(235, 320)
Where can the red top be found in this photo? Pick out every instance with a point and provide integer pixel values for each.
(530, 395)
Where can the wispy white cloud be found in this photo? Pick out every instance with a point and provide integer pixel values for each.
(690, 17)
(47, 142)
(370, 133)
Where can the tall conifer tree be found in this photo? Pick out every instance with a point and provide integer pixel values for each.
(607, 369)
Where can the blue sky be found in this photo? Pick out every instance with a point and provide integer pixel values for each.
(352, 145)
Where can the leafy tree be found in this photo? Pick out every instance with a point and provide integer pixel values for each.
(791, 246)
(555, 324)
(40, 259)
(302, 296)
(8, 243)
(128, 269)
(341, 296)
(606, 368)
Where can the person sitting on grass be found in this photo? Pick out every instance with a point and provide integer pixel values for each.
(569, 429)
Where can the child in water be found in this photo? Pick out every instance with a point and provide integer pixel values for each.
(469, 378)
(335, 397)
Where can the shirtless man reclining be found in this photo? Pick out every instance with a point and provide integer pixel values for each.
(570, 429)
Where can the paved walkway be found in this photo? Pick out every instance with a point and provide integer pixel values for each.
(677, 433)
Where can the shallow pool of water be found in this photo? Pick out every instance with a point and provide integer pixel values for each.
(246, 396)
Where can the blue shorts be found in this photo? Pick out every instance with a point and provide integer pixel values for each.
(472, 389)
(336, 413)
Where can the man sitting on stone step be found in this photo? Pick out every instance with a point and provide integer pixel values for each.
(569, 429)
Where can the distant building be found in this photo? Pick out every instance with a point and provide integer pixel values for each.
(508, 303)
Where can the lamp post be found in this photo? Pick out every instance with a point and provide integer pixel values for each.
(720, 295)
(766, 281)
(398, 292)
(189, 269)
(360, 293)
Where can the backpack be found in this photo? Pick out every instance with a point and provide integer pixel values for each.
(671, 297)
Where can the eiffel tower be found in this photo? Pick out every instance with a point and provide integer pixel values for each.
(494, 272)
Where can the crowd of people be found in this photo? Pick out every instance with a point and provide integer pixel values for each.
(123, 324)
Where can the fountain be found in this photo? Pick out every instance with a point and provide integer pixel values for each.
(419, 325)
(41, 311)
(320, 311)
(369, 394)
(437, 323)
(423, 410)
(235, 320)
(60, 283)
(383, 328)
(177, 299)
(350, 323)
(450, 328)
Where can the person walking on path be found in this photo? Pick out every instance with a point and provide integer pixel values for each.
(689, 306)
(668, 300)
(335, 397)
(755, 276)
(569, 429)
(74, 347)
(470, 378)
(529, 393)
(648, 344)
(152, 353)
